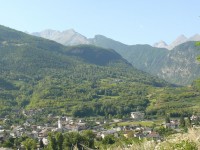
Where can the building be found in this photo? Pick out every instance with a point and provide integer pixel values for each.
(137, 115)
(59, 124)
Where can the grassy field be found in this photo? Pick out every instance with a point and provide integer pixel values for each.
(147, 123)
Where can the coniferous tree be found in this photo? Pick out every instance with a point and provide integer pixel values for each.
(41, 143)
(59, 140)
(182, 121)
(167, 119)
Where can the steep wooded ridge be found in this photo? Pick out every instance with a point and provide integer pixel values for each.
(157, 61)
(177, 66)
(81, 80)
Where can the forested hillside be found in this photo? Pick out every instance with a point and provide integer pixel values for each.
(79, 81)
(82, 81)
(178, 66)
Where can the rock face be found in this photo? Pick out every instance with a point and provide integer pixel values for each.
(68, 37)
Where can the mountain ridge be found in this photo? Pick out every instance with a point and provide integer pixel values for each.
(71, 37)
(179, 40)
(68, 37)
(151, 58)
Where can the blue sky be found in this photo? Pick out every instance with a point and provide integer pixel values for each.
(128, 21)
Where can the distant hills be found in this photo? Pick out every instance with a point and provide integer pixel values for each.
(177, 66)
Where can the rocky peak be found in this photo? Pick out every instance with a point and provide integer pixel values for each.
(160, 44)
(195, 37)
(67, 37)
(179, 40)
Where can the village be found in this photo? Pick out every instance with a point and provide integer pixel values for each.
(101, 128)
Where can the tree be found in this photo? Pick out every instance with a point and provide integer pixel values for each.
(41, 144)
(182, 121)
(167, 119)
(109, 139)
(186, 145)
(89, 137)
(52, 142)
(188, 122)
(9, 143)
(29, 144)
(71, 139)
(59, 140)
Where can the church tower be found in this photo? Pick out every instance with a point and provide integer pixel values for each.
(59, 124)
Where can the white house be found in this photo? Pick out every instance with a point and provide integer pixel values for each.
(137, 115)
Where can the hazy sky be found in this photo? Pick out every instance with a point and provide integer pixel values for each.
(128, 21)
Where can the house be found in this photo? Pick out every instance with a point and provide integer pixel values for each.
(173, 124)
(99, 122)
(17, 131)
(109, 132)
(147, 130)
(129, 134)
(137, 115)
(154, 136)
(73, 128)
(81, 126)
(43, 133)
(129, 127)
(45, 141)
(118, 129)
(35, 134)
(139, 135)
(117, 120)
(193, 118)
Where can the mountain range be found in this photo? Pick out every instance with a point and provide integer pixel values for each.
(71, 37)
(178, 66)
(179, 40)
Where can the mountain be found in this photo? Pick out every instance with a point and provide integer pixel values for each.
(96, 55)
(195, 37)
(160, 44)
(180, 65)
(71, 37)
(83, 80)
(46, 77)
(68, 37)
(177, 66)
(179, 40)
(158, 60)
(140, 56)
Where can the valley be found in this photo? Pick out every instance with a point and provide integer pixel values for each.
(42, 81)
